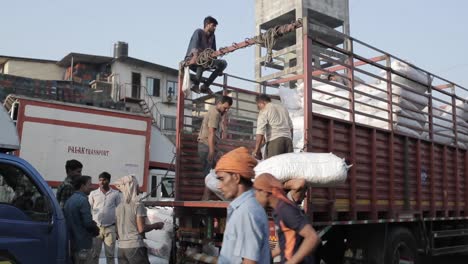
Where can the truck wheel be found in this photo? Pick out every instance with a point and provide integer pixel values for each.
(401, 247)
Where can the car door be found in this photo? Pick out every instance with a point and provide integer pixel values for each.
(26, 216)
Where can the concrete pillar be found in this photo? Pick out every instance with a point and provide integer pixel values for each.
(269, 13)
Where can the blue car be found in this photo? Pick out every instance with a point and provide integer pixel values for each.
(32, 224)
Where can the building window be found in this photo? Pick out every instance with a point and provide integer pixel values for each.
(153, 86)
(136, 85)
(169, 123)
(171, 89)
(162, 186)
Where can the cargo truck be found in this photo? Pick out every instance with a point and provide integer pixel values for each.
(32, 225)
(406, 196)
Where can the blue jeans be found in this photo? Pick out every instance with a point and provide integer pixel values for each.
(218, 66)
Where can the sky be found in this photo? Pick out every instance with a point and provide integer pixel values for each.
(431, 34)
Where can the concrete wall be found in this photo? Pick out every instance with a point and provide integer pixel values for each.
(123, 76)
(270, 13)
(124, 72)
(266, 10)
(34, 70)
(334, 8)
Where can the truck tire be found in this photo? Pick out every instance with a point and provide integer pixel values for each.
(401, 247)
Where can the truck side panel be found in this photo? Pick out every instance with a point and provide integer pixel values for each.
(434, 187)
(101, 140)
(429, 179)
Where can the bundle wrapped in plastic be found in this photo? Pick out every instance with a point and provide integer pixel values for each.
(161, 214)
(160, 248)
(318, 169)
(159, 242)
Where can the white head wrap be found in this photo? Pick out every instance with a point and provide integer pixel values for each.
(128, 185)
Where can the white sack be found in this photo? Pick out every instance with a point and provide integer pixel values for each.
(212, 183)
(444, 136)
(411, 119)
(298, 122)
(342, 101)
(298, 140)
(298, 132)
(332, 112)
(461, 110)
(318, 169)
(187, 83)
(412, 74)
(315, 94)
(407, 131)
(409, 74)
(160, 249)
(161, 214)
(441, 122)
(289, 98)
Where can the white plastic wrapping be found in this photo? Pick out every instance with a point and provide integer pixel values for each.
(160, 248)
(318, 169)
(159, 242)
(212, 183)
(187, 83)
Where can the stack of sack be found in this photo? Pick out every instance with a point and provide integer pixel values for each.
(293, 100)
(317, 169)
(409, 101)
(443, 124)
(159, 242)
(409, 106)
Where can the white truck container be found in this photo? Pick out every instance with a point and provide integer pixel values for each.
(53, 132)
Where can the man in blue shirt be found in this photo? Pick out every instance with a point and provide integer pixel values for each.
(201, 40)
(247, 232)
(80, 224)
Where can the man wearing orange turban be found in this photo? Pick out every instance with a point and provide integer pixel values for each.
(296, 236)
(247, 231)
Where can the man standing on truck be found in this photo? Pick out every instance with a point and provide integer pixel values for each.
(274, 126)
(80, 222)
(209, 135)
(296, 236)
(247, 231)
(201, 40)
(103, 203)
(73, 169)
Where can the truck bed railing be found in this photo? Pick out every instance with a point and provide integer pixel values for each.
(405, 134)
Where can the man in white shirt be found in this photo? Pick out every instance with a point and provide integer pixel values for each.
(274, 126)
(103, 202)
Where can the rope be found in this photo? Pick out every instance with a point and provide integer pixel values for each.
(268, 39)
(204, 59)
